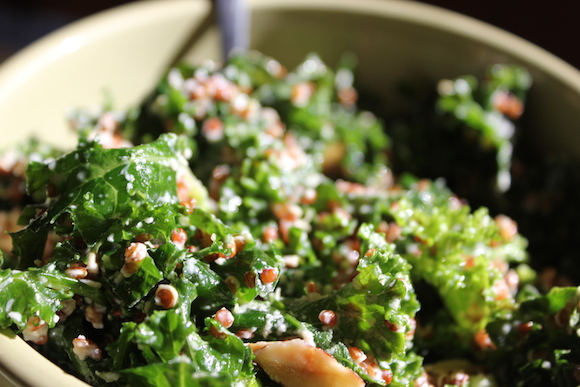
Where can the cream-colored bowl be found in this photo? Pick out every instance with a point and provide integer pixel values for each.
(124, 51)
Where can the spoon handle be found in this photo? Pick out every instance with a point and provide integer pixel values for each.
(234, 22)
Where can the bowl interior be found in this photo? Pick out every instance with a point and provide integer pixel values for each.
(124, 52)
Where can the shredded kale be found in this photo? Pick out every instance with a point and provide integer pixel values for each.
(248, 204)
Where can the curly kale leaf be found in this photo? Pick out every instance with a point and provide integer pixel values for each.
(458, 252)
(182, 372)
(176, 355)
(488, 109)
(374, 311)
(131, 290)
(97, 187)
(540, 345)
(38, 292)
(247, 268)
(165, 332)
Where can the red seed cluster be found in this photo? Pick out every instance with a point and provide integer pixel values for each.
(357, 355)
(179, 237)
(507, 103)
(392, 326)
(224, 317)
(328, 318)
(270, 234)
(387, 376)
(526, 327)
(483, 340)
(312, 287)
(269, 275)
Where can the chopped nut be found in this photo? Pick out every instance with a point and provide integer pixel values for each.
(422, 381)
(83, 348)
(295, 363)
(135, 253)
(245, 334)
(92, 264)
(291, 261)
(77, 271)
(36, 331)
(250, 279)
(166, 296)
(94, 314)
(232, 283)
(67, 307)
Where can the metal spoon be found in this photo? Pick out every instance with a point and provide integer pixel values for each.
(233, 19)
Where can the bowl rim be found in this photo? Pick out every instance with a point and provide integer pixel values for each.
(409, 11)
(27, 60)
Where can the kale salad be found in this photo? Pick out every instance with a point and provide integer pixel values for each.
(248, 225)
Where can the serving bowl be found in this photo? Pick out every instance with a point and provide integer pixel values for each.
(124, 51)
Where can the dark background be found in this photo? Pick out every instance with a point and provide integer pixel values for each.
(552, 25)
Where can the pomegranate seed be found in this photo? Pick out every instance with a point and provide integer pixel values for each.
(179, 237)
(224, 317)
(357, 355)
(269, 275)
(328, 318)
